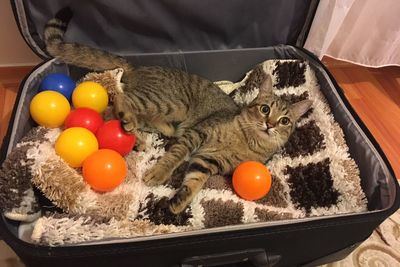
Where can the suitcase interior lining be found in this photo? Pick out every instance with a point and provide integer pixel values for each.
(377, 182)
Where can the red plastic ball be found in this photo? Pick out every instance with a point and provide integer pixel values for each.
(111, 135)
(251, 180)
(85, 118)
(104, 170)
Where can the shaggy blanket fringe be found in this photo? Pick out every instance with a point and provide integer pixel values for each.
(313, 175)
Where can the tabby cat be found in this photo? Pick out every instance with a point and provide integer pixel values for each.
(208, 125)
(217, 145)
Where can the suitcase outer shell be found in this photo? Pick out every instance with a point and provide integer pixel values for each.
(298, 243)
(301, 242)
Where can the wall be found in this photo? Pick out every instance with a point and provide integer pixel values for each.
(13, 49)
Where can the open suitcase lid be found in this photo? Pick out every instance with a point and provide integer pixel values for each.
(141, 26)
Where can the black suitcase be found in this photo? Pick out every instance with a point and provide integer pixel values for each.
(218, 40)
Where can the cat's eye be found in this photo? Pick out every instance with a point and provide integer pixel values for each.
(284, 120)
(264, 109)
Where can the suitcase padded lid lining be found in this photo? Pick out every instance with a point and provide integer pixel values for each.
(129, 27)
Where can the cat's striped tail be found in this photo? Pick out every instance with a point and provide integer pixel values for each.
(76, 54)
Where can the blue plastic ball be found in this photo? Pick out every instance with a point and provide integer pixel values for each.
(58, 82)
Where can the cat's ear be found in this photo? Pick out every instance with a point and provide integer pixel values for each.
(265, 90)
(301, 107)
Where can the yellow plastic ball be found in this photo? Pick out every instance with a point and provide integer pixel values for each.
(75, 144)
(90, 95)
(49, 109)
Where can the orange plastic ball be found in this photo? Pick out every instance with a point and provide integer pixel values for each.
(251, 180)
(104, 170)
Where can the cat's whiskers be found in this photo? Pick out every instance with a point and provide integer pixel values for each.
(278, 141)
(250, 125)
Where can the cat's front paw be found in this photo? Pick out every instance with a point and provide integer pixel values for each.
(156, 175)
(123, 111)
(129, 126)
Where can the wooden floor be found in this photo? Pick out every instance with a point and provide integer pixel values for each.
(10, 78)
(375, 96)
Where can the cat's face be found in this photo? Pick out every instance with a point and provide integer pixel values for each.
(272, 117)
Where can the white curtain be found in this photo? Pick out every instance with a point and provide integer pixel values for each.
(366, 32)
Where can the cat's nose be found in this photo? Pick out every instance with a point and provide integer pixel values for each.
(269, 125)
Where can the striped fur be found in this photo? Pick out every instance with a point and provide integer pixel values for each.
(208, 125)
